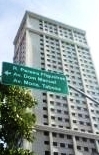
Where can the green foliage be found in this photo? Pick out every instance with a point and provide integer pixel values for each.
(15, 152)
(16, 120)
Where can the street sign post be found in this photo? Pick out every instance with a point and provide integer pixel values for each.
(13, 74)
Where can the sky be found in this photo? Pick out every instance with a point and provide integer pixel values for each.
(83, 14)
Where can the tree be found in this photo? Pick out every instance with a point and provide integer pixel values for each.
(16, 119)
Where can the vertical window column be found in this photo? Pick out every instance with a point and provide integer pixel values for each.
(87, 100)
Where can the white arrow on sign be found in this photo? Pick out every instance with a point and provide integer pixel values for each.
(7, 73)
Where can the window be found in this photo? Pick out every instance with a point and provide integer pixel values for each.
(70, 146)
(73, 114)
(82, 130)
(54, 134)
(60, 118)
(46, 133)
(63, 153)
(95, 125)
(67, 127)
(55, 153)
(53, 117)
(79, 108)
(61, 135)
(44, 94)
(81, 122)
(47, 152)
(79, 147)
(66, 112)
(90, 131)
(69, 137)
(51, 95)
(92, 110)
(72, 107)
(51, 102)
(85, 148)
(86, 116)
(59, 111)
(54, 66)
(42, 64)
(91, 140)
(42, 50)
(58, 103)
(45, 123)
(62, 144)
(64, 98)
(45, 116)
(52, 109)
(60, 126)
(74, 121)
(71, 100)
(48, 60)
(85, 109)
(54, 143)
(84, 139)
(77, 138)
(45, 101)
(87, 123)
(93, 150)
(64, 105)
(57, 96)
(80, 115)
(53, 125)
(44, 108)
(46, 142)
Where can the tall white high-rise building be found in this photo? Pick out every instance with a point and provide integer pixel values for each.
(66, 124)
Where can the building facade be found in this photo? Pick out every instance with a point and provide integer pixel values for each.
(66, 124)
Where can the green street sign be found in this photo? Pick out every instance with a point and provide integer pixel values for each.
(13, 74)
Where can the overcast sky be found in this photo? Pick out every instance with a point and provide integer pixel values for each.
(83, 14)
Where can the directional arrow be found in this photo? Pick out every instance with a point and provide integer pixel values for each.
(7, 73)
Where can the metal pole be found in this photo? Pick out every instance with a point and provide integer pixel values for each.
(83, 94)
